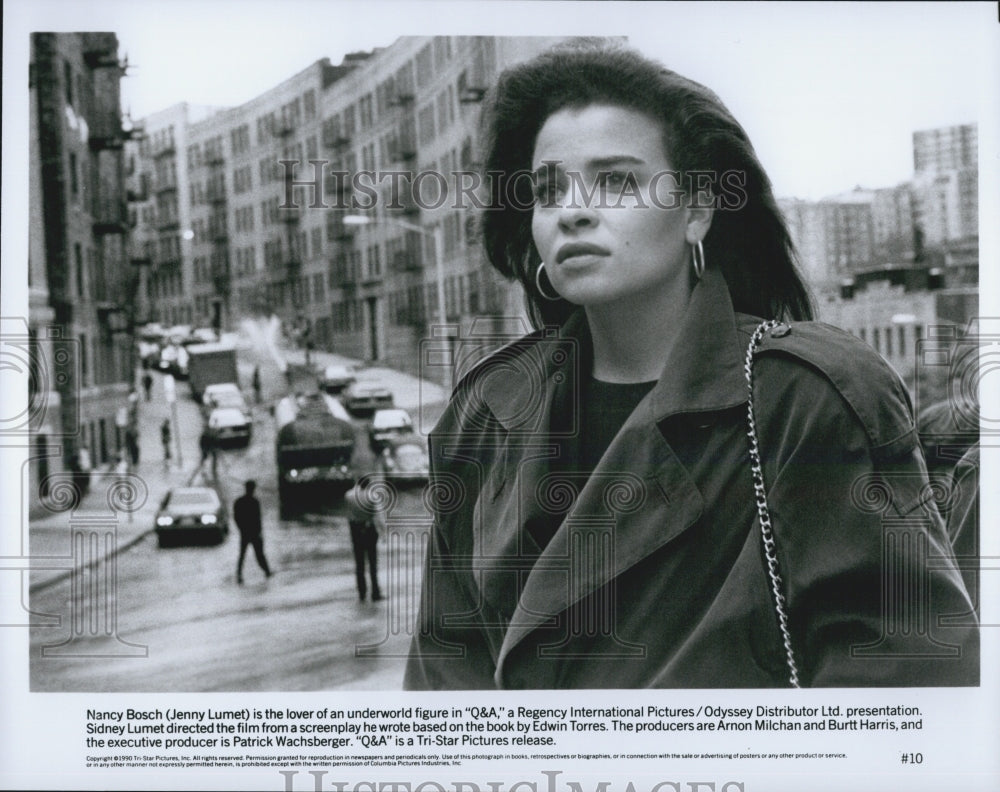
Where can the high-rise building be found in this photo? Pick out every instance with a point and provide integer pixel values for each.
(81, 284)
(946, 188)
(946, 148)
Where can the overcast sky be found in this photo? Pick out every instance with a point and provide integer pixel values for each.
(830, 94)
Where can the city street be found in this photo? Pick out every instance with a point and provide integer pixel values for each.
(178, 620)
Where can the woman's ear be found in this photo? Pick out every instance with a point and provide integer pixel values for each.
(699, 217)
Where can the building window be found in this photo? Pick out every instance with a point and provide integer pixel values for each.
(68, 80)
(74, 182)
(84, 367)
(366, 112)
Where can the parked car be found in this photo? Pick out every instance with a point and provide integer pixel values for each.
(387, 424)
(404, 458)
(149, 353)
(223, 394)
(364, 397)
(202, 335)
(334, 378)
(174, 360)
(152, 337)
(226, 398)
(191, 514)
(229, 426)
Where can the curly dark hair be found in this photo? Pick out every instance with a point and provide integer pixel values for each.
(749, 243)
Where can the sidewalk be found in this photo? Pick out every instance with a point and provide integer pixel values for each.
(50, 532)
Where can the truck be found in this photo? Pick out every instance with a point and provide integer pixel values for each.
(315, 441)
(210, 364)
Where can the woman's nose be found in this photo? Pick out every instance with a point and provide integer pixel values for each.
(576, 213)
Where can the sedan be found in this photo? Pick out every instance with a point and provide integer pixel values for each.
(174, 360)
(364, 397)
(405, 459)
(336, 377)
(192, 514)
(229, 426)
(226, 399)
(387, 424)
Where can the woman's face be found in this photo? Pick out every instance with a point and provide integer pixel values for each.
(632, 240)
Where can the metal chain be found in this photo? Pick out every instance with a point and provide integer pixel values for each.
(766, 532)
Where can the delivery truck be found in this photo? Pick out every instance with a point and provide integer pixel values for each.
(210, 364)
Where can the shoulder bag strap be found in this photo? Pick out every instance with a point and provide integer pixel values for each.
(766, 532)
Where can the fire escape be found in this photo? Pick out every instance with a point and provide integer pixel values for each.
(218, 230)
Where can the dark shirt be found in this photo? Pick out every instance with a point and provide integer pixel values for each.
(604, 408)
(246, 513)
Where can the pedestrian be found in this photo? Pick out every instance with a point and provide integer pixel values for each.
(366, 523)
(165, 439)
(147, 383)
(208, 449)
(81, 483)
(256, 384)
(132, 443)
(85, 467)
(246, 514)
(703, 514)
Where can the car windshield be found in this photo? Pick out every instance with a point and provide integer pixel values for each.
(227, 399)
(207, 499)
(391, 419)
(221, 387)
(336, 371)
(227, 416)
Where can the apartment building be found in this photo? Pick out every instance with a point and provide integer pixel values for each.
(246, 212)
(81, 283)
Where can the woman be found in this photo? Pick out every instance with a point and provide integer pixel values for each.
(597, 522)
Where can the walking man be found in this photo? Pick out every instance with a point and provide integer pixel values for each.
(366, 523)
(165, 439)
(256, 384)
(207, 444)
(246, 513)
(132, 444)
(147, 384)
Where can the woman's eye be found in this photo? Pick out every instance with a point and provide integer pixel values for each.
(614, 178)
(546, 191)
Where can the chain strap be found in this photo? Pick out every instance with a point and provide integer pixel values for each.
(766, 532)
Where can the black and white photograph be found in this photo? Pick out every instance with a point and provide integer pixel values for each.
(565, 394)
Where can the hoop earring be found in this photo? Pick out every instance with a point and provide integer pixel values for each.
(698, 259)
(538, 284)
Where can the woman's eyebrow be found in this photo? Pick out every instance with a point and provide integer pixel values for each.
(550, 166)
(616, 159)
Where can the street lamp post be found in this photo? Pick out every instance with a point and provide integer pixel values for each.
(435, 233)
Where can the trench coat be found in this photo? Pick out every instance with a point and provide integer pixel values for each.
(656, 575)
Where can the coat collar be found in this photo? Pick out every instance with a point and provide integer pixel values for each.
(555, 364)
(703, 372)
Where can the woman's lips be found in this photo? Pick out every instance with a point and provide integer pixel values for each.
(580, 251)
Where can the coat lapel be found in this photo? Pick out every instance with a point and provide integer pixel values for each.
(638, 498)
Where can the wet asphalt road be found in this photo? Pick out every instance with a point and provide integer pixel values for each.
(179, 622)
